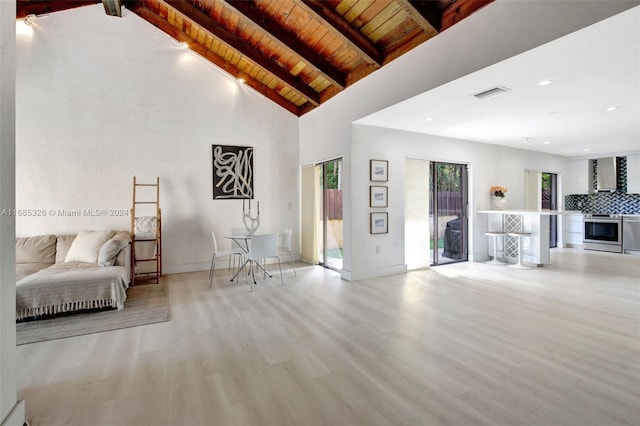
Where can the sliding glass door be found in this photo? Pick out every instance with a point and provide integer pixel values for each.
(550, 202)
(329, 208)
(448, 212)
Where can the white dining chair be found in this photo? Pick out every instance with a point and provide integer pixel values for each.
(220, 253)
(236, 245)
(264, 247)
(285, 248)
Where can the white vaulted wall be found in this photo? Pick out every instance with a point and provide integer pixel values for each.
(494, 33)
(11, 411)
(101, 99)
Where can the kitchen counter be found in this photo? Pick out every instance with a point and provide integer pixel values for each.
(536, 247)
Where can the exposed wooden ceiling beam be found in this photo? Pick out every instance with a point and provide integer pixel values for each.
(430, 10)
(346, 32)
(404, 48)
(41, 7)
(163, 25)
(429, 29)
(249, 10)
(460, 10)
(204, 21)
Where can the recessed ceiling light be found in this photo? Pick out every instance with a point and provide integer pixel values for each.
(544, 82)
(241, 80)
(587, 150)
(547, 142)
(183, 44)
(612, 108)
(428, 119)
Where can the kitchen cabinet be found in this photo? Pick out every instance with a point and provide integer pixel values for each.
(573, 228)
(633, 174)
(580, 177)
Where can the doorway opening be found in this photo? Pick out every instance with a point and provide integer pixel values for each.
(329, 219)
(448, 188)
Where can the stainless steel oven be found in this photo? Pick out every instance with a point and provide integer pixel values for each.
(602, 232)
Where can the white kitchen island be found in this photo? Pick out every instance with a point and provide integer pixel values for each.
(536, 247)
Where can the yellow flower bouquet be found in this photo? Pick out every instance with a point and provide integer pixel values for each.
(498, 191)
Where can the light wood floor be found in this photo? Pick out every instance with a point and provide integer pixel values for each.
(463, 344)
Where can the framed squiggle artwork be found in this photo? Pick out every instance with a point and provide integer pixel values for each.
(232, 172)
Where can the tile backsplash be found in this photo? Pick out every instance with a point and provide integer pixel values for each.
(604, 202)
(618, 202)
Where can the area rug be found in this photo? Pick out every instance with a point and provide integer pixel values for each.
(145, 304)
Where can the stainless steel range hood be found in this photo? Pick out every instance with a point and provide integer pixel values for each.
(606, 180)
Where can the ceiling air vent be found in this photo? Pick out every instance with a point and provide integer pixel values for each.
(491, 92)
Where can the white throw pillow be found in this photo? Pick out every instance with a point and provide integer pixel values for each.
(145, 227)
(109, 250)
(86, 246)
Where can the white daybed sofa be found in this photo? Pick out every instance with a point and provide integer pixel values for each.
(68, 273)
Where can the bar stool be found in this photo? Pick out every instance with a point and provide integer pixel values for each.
(495, 235)
(521, 236)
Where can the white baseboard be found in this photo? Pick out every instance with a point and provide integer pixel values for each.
(191, 267)
(477, 257)
(375, 273)
(16, 416)
(345, 275)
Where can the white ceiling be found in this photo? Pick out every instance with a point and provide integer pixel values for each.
(591, 70)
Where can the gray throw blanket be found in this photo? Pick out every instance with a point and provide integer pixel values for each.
(70, 286)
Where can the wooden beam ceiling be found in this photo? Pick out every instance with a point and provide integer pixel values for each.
(43, 7)
(181, 36)
(271, 29)
(193, 13)
(421, 19)
(347, 32)
(297, 53)
(459, 10)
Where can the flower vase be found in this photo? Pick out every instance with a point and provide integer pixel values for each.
(499, 203)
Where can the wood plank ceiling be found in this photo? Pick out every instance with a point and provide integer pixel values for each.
(298, 53)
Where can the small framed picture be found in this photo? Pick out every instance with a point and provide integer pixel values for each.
(378, 196)
(379, 170)
(379, 223)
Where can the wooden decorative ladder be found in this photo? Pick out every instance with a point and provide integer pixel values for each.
(137, 275)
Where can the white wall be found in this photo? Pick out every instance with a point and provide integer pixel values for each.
(416, 214)
(498, 31)
(11, 412)
(101, 99)
(489, 165)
